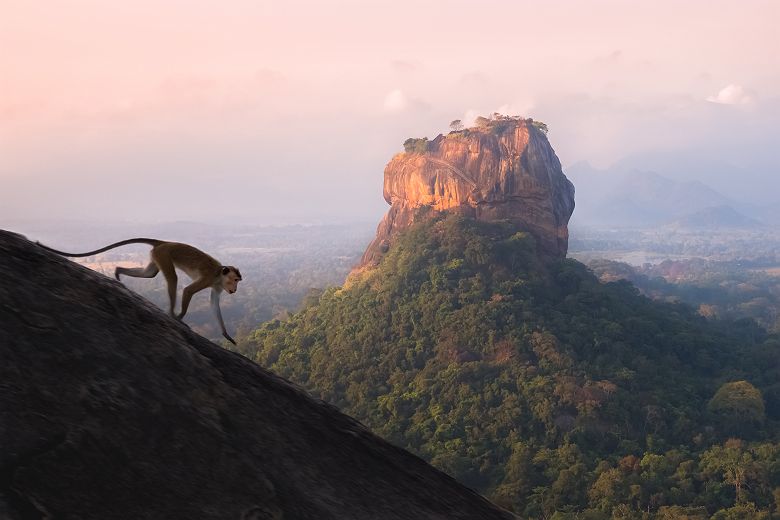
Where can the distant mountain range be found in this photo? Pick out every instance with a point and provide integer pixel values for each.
(718, 217)
(619, 197)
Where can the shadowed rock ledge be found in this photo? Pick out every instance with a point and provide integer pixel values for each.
(109, 409)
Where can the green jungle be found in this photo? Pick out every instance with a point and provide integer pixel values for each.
(529, 380)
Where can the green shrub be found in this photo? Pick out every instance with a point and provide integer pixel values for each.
(416, 145)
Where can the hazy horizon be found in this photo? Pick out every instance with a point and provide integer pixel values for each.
(266, 113)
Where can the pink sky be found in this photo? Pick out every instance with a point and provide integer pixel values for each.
(127, 106)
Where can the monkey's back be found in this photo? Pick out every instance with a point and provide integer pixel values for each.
(186, 257)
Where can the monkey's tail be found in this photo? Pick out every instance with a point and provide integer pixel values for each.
(152, 242)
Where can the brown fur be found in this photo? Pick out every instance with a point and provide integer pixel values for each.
(204, 270)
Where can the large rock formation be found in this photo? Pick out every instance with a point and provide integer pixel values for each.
(111, 409)
(503, 170)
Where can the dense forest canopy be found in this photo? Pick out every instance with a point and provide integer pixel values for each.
(536, 384)
(729, 290)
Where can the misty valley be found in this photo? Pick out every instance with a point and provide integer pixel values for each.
(723, 273)
(282, 264)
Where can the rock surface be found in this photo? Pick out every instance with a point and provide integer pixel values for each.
(111, 409)
(504, 171)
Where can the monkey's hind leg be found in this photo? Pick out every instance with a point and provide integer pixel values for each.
(150, 271)
(164, 262)
(171, 280)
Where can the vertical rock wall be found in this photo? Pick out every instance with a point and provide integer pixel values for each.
(506, 170)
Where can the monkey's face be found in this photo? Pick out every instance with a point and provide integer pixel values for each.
(230, 279)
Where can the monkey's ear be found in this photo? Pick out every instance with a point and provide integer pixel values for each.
(225, 270)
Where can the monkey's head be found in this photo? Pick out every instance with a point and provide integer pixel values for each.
(230, 278)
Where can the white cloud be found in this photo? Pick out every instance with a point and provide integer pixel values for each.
(731, 95)
(471, 115)
(396, 101)
(521, 108)
(507, 109)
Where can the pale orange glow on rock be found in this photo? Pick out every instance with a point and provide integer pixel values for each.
(505, 172)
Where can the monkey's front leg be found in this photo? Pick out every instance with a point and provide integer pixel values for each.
(191, 289)
(218, 314)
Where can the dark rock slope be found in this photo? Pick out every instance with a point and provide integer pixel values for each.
(110, 409)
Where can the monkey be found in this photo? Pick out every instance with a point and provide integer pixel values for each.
(204, 270)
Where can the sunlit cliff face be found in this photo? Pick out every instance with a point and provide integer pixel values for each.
(504, 171)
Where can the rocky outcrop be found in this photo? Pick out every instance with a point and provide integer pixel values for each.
(503, 170)
(111, 409)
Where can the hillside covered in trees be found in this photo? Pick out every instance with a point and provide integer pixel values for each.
(526, 378)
